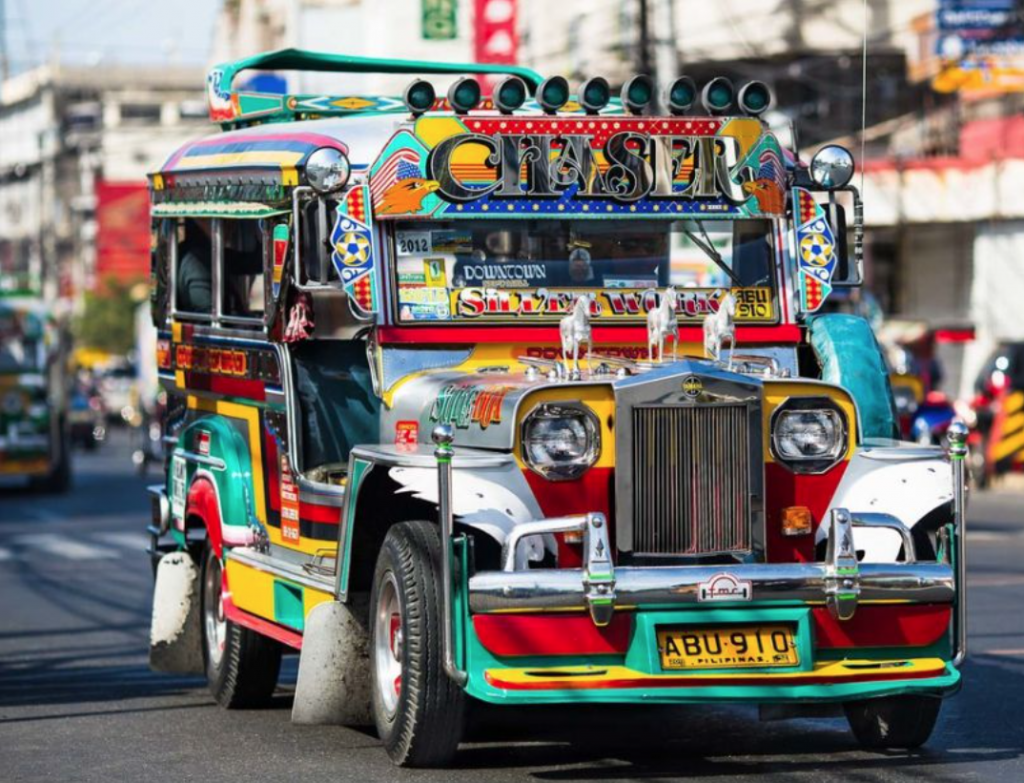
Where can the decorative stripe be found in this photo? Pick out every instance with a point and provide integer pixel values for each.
(542, 335)
(261, 626)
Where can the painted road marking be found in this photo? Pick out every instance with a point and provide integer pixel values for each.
(63, 546)
(136, 541)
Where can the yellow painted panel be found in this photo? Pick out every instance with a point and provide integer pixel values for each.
(251, 590)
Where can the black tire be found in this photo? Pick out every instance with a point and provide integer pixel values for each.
(420, 712)
(893, 721)
(58, 480)
(241, 665)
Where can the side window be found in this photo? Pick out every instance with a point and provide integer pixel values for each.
(161, 236)
(316, 222)
(193, 275)
(245, 245)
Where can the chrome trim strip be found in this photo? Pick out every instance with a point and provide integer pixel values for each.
(957, 437)
(201, 459)
(291, 571)
(558, 589)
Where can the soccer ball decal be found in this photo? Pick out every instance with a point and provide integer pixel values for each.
(353, 247)
(816, 250)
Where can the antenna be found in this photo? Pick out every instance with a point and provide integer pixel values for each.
(863, 94)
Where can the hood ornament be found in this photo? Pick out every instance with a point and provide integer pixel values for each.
(663, 323)
(575, 331)
(720, 329)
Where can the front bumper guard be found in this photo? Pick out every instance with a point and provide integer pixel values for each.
(840, 582)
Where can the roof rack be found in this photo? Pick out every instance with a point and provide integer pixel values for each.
(233, 108)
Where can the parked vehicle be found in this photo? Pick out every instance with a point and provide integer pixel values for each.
(87, 416)
(528, 400)
(998, 407)
(34, 437)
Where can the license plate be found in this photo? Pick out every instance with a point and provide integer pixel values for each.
(728, 647)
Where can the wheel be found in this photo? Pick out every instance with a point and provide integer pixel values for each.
(893, 721)
(241, 665)
(58, 480)
(417, 708)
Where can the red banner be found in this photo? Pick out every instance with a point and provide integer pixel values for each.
(494, 31)
(122, 238)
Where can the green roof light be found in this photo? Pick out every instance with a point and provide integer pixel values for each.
(718, 95)
(464, 95)
(419, 96)
(594, 94)
(553, 94)
(637, 93)
(510, 94)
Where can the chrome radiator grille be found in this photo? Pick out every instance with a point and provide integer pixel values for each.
(691, 480)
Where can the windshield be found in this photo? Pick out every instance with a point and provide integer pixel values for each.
(525, 270)
(19, 351)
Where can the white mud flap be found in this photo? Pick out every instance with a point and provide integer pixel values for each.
(175, 638)
(333, 687)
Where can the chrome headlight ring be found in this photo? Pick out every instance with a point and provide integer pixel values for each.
(800, 421)
(560, 440)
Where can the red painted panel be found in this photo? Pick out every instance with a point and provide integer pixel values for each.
(784, 488)
(261, 626)
(536, 335)
(328, 515)
(882, 626)
(545, 634)
(593, 491)
(202, 502)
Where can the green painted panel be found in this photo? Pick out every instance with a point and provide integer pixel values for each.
(288, 605)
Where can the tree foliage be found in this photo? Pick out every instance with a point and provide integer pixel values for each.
(107, 321)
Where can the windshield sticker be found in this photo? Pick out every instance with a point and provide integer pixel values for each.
(412, 243)
(816, 250)
(422, 303)
(593, 167)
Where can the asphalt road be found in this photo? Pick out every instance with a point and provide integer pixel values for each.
(78, 703)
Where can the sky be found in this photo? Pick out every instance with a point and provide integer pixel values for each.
(108, 31)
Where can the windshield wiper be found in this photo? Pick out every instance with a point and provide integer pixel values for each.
(709, 250)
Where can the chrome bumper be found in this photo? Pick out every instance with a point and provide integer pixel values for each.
(839, 582)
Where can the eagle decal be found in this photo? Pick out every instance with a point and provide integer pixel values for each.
(768, 187)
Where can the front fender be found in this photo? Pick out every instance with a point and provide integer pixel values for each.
(219, 480)
(892, 477)
(489, 494)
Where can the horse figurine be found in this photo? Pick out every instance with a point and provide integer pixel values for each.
(575, 330)
(663, 323)
(720, 329)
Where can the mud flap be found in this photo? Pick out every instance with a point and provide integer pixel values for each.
(175, 637)
(333, 686)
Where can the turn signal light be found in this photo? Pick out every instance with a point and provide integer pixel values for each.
(796, 521)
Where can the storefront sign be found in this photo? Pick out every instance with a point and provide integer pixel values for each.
(439, 20)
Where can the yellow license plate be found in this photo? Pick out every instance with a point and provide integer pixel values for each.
(728, 647)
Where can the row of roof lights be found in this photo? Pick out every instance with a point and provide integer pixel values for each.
(719, 95)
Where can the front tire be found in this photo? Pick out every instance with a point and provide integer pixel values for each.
(241, 665)
(417, 708)
(894, 721)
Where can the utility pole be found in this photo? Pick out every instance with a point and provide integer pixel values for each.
(5, 65)
(643, 55)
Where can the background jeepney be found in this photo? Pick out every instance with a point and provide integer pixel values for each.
(382, 451)
(34, 435)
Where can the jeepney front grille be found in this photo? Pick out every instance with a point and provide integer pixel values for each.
(691, 480)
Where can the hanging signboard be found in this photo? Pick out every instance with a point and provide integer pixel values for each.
(439, 20)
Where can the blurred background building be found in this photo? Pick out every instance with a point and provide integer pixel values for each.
(943, 138)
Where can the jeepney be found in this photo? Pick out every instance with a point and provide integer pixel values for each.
(34, 430)
(526, 400)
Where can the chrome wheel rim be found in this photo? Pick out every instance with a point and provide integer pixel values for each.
(389, 644)
(213, 612)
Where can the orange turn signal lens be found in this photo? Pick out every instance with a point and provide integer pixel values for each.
(573, 537)
(796, 521)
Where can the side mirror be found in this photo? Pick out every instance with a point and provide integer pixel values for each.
(849, 271)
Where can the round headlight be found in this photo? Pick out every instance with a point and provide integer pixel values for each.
(561, 441)
(832, 167)
(808, 439)
(327, 170)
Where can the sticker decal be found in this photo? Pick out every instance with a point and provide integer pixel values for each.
(407, 435)
(692, 386)
(280, 239)
(289, 503)
(815, 250)
(725, 587)
(353, 251)
(463, 405)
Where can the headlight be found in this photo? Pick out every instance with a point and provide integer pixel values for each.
(561, 441)
(808, 434)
